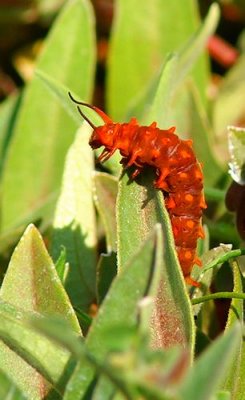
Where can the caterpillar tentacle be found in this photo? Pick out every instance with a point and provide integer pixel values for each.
(179, 176)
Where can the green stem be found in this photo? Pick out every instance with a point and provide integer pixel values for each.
(219, 295)
(226, 257)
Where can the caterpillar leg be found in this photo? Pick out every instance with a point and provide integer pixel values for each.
(191, 281)
(105, 155)
(160, 181)
(136, 172)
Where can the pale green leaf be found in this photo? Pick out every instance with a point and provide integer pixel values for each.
(74, 224)
(43, 132)
(236, 141)
(105, 193)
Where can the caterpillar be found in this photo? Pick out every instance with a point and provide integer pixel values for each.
(178, 174)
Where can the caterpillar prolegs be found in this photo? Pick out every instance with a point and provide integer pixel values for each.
(178, 174)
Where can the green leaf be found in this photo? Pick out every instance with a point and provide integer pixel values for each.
(175, 70)
(235, 377)
(42, 128)
(60, 92)
(46, 207)
(105, 193)
(8, 110)
(32, 284)
(74, 223)
(39, 288)
(58, 330)
(106, 272)
(84, 319)
(61, 265)
(160, 105)
(8, 390)
(32, 361)
(210, 260)
(236, 140)
(193, 120)
(139, 46)
(229, 106)
(125, 293)
(240, 389)
(104, 390)
(211, 367)
(222, 395)
(139, 208)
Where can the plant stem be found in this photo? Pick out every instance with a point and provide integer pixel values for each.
(219, 295)
(225, 257)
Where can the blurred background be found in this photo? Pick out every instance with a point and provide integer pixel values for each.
(25, 23)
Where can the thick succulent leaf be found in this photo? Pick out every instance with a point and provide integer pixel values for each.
(32, 361)
(74, 223)
(236, 141)
(105, 189)
(142, 36)
(211, 367)
(43, 132)
(8, 390)
(130, 286)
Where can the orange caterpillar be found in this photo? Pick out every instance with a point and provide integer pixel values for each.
(178, 175)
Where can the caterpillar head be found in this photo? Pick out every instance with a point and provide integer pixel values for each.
(103, 135)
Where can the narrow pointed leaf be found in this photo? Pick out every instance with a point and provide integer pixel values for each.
(42, 128)
(74, 223)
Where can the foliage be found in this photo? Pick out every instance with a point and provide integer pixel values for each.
(121, 325)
